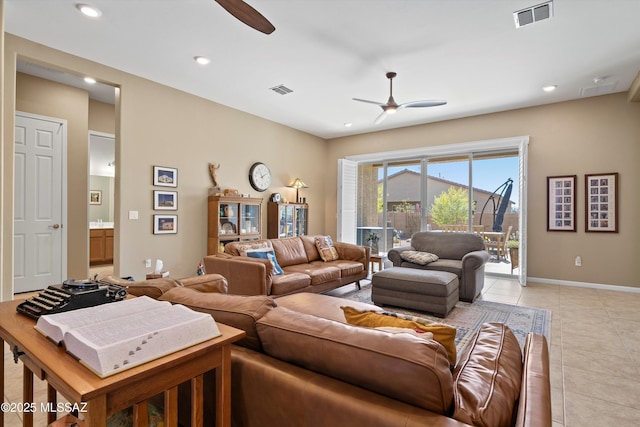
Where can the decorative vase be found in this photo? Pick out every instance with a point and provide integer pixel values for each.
(374, 248)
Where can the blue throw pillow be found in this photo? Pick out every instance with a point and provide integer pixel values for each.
(271, 256)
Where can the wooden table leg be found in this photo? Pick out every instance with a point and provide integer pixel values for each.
(52, 398)
(27, 395)
(96, 415)
(223, 389)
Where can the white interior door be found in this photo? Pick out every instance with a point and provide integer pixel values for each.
(39, 242)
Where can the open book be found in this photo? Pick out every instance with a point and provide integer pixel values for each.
(113, 337)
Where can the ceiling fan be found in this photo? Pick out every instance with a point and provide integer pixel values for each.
(245, 13)
(391, 106)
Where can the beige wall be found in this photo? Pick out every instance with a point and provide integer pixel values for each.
(157, 125)
(594, 135)
(102, 116)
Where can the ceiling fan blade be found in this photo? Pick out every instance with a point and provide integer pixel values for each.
(247, 14)
(419, 104)
(380, 118)
(370, 102)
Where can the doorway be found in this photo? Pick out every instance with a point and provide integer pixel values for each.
(46, 91)
(40, 236)
(102, 173)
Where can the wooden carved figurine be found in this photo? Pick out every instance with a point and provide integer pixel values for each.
(212, 172)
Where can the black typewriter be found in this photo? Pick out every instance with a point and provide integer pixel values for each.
(71, 295)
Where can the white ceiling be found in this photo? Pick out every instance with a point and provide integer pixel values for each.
(467, 52)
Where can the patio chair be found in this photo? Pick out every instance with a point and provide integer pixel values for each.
(497, 241)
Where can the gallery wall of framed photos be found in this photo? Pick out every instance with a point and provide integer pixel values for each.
(165, 200)
(600, 205)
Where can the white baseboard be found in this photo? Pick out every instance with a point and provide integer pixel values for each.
(601, 286)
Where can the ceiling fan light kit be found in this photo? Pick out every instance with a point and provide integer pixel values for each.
(391, 106)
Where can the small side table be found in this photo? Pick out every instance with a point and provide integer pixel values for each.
(104, 396)
(377, 259)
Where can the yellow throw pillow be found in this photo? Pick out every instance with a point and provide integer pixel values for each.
(444, 334)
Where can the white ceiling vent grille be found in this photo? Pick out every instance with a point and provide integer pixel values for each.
(600, 88)
(281, 89)
(533, 14)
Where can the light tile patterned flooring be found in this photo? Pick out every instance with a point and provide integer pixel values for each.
(594, 349)
(595, 353)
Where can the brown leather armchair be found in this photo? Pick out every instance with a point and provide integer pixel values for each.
(155, 288)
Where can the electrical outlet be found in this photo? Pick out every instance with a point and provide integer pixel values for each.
(578, 261)
(147, 263)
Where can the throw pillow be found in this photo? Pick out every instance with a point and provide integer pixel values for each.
(444, 334)
(267, 254)
(326, 249)
(417, 257)
(242, 249)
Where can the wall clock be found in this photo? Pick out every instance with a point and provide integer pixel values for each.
(259, 176)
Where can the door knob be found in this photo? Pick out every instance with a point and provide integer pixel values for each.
(56, 226)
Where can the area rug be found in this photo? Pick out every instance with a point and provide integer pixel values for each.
(468, 317)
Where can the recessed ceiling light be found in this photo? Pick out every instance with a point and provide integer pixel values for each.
(88, 10)
(348, 125)
(550, 88)
(202, 60)
(90, 80)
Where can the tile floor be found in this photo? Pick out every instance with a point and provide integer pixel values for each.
(594, 348)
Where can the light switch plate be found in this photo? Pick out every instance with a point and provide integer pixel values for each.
(133, 214)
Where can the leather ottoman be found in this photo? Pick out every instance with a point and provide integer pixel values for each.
(425, 290)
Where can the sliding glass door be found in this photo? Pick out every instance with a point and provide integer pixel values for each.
(469, 192)
(496, 181)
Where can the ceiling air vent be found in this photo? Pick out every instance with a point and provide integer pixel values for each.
(281, 89)
(601, 87)
(533, 14)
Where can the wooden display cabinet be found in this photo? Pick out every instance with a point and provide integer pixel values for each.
(287, 220)
(232, 219)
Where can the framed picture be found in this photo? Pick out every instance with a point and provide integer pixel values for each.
(561, 203)
(95, 197)
(165, 200)
(601, 205)
(165, 177)
(165, 224)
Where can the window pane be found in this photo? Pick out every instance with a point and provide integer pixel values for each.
(496, 191)
(403, 200)
(448, 194)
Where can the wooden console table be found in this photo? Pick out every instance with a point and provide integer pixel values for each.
(105, 396)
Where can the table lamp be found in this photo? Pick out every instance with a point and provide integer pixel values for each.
(297, 184)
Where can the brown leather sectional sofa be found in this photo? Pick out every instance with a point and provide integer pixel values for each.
(301, 364)
(304, 269)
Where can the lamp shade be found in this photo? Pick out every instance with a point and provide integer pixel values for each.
(297, 183)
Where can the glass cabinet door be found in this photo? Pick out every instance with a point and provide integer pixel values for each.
(228, 218)
(286, 221)
(301, 221)
(250, 220)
